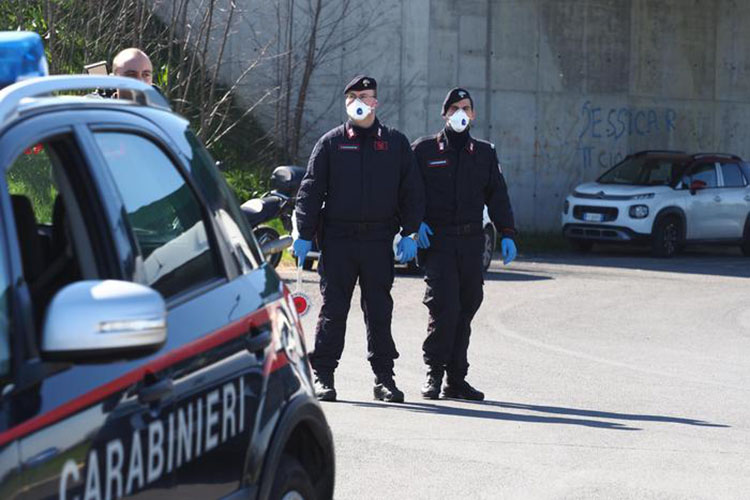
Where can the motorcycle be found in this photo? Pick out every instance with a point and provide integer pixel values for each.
(278, 203)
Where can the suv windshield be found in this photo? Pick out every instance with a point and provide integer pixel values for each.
(644, 171)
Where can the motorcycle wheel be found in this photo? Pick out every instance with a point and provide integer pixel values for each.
(265, 234)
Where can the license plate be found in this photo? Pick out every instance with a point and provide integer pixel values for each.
(593, 217)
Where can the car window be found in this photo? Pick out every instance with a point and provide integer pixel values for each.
(30, 175)
(164, 215)
(658, 173)
(732, 175)
(705, 173)
(51, 232)
(643, 172)
(220, 196)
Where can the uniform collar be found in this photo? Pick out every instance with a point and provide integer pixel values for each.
(353, 132)
(444, 145)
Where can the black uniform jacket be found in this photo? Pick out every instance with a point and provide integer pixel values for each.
(361, 176)
(459, 183)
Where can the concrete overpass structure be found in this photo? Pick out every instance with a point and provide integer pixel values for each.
(564, 88)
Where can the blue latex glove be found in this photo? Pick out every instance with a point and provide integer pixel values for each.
(508, 248)
(300, 248)
(406, 250)
(424, 230)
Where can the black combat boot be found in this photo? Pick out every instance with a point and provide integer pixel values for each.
(460, 389)
(324, 390)
(385, 389)
(431, 387)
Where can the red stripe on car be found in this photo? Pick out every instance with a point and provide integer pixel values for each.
(225, 334)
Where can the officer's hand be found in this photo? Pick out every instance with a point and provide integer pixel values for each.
(508, 247)
(300, 248)
(406, 250)
(424, 230)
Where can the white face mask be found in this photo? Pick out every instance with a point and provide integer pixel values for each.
(458, 121)
(357, 110)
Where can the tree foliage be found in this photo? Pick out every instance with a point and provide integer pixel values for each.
(78, 32)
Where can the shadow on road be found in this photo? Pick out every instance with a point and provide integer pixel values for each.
(486, 412)
(708, 260)
(438, 409)
(600, 414)
(514, 276)
(489, 275)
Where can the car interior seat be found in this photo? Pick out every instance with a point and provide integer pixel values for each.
(29, 241)
(62, 267)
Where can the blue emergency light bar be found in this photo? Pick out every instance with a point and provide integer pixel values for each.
(21, 56)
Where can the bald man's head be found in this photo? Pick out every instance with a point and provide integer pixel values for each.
(133, 63)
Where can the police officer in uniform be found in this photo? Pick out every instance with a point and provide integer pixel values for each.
(461, 175)
(362, 184)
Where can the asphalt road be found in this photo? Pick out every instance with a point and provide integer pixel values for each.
(611, 375)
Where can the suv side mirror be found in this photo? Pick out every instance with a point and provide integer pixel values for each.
(697, 185)
(108, 320)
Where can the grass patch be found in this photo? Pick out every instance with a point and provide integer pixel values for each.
(541, 242)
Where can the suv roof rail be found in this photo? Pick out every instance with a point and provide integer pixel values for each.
(12, 95)
(717, 155)
(647, 151)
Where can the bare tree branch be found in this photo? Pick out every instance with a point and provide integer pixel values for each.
(247, 112)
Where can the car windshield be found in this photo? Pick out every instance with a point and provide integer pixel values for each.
(644, 172)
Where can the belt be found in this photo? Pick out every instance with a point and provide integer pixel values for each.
(459, 229)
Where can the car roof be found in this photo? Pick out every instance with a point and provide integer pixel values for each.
(679, 156)
(716, 157)
(685, 157)
(34, 94)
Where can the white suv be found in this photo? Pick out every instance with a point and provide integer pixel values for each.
(667, 198)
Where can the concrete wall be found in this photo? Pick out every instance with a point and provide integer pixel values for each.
(564, 88)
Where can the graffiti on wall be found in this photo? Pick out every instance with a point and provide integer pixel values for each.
(598, 137)
(605, 132)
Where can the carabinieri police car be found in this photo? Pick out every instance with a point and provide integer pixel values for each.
(146, 348)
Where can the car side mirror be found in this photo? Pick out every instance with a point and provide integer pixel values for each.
(697, 185)
(107, 320)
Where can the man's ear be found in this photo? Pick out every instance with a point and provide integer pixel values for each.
(471, 114)
(374, 103)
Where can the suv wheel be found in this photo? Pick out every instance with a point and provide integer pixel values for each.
(489, 247)
(581, 245)
(291, 481)
(745, 245)
(666, 237)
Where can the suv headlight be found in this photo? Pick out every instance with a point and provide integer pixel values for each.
(566, 207)
(639, 211)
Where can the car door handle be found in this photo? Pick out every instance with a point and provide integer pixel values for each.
(156, 391)
(717, 198)
(259, 341)
(747, 197)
